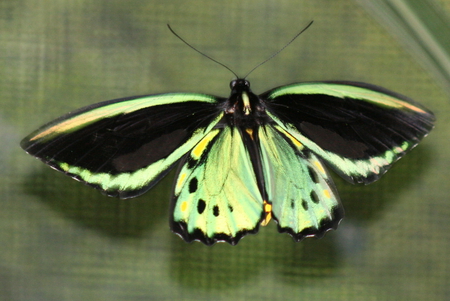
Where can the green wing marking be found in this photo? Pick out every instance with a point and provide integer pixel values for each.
(216, 196)
(304, 200)
(123, 147)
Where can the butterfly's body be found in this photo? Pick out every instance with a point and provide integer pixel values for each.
(243, 159)
(245, 111)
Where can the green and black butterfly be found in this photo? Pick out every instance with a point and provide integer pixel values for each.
(243, 159)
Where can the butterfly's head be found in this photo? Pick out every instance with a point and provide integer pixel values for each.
(239, 85)
(243, 108)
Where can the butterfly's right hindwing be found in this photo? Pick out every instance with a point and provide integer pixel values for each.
(123, 147)
(303, 197)
(216, 195)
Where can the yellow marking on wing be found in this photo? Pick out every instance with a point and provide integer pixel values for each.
(319, 166)
(297, 143)
(327, 194)
(181, 180)
(200, 147)
(268, 211)
(183, 206)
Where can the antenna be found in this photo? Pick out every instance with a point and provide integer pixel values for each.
(205, 55)
(228, 68)
(276, 53)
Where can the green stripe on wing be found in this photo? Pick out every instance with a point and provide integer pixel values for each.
(136, 180)
(86, 116)
(378, 97)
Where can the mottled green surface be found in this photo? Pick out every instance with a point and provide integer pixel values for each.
(60, 240)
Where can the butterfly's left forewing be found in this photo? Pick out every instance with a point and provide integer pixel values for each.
(123, 147)
(216, 195)
(360, 130)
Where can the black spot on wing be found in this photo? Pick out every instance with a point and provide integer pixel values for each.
(305, 205)
(193, 185)
(216, 211)
(201, 205)
(313, 175)
(314, 197)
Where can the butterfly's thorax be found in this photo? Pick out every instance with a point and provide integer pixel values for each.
(244, 108)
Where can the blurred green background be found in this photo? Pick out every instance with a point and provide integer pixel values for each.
(61, 240)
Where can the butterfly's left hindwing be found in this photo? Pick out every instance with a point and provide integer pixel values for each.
(123, 147)
(216, 196)
(360, 130)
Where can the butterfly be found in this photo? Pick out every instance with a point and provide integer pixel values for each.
(243, 159)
